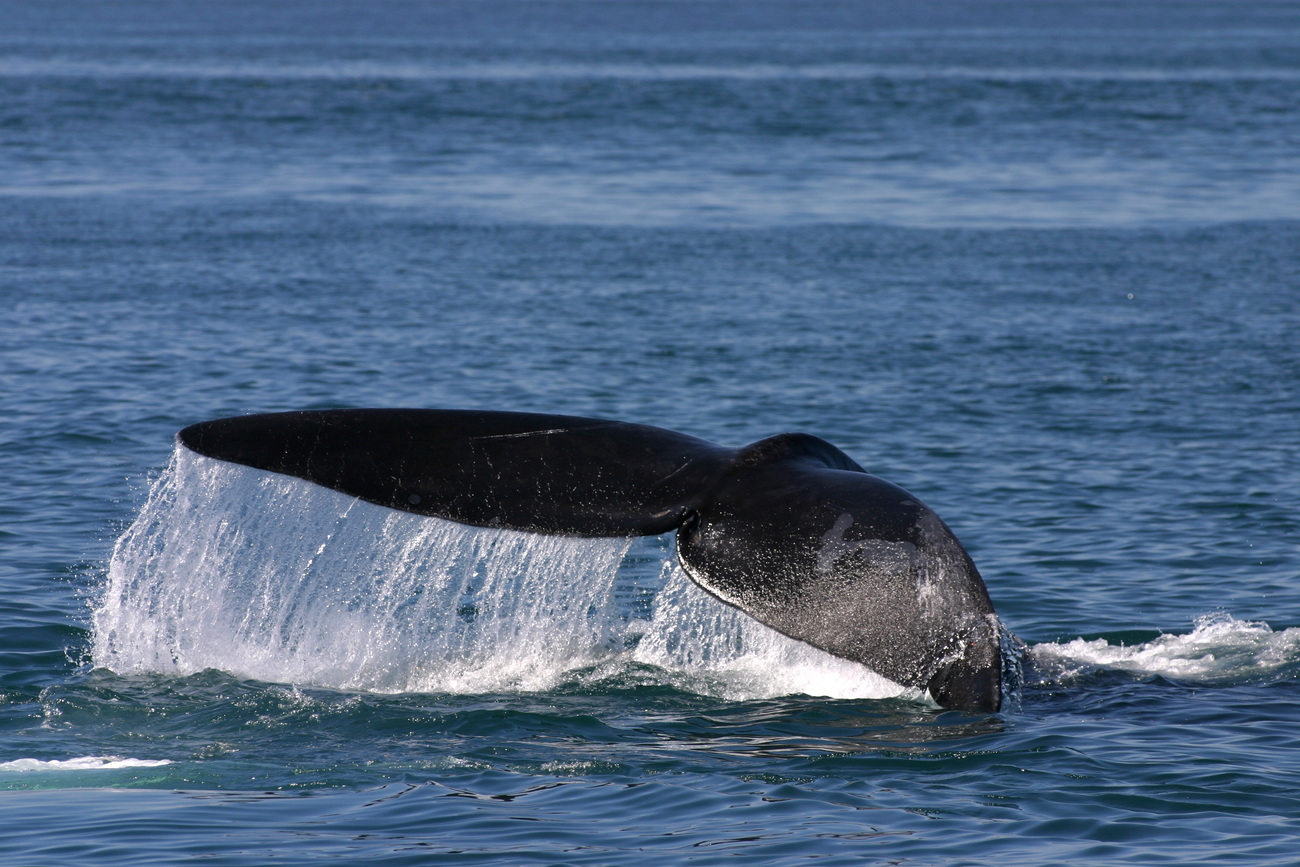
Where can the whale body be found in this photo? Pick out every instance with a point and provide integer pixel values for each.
(789, 529)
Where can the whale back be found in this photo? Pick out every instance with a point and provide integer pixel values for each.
(790, 530)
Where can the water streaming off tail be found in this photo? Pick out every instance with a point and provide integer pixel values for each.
(710, 645)
(274, 578)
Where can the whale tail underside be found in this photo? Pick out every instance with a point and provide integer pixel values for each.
(789, 529)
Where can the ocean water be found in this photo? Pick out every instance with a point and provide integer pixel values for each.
(1036, 262)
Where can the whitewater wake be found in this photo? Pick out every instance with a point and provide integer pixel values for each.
(1219, 649)
(82, 763)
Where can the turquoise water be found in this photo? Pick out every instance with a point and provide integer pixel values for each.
(1037, 264)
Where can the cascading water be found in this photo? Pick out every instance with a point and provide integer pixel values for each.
(708, 644)
(273, 578)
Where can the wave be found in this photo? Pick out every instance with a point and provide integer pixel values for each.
(1219, 649)
(83, 763)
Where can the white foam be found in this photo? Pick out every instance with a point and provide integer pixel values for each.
(84, 763)
(1219, 647)
(273, 578)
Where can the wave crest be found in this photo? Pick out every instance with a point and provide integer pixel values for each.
(1219, 649)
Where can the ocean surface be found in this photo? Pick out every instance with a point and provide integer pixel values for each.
(1036, 262)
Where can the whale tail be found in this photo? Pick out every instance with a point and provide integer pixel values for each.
(789, 529)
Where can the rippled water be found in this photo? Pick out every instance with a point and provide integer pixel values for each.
(1036, 262)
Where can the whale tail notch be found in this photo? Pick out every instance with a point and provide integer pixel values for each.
(789, 529)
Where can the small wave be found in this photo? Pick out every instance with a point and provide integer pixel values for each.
(83, 763)
(1220, 648)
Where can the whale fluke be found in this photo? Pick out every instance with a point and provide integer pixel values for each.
(789, 530)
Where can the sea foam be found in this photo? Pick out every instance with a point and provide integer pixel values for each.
(82, 763)
(1219, 649)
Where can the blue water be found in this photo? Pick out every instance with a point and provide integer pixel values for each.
(1037, 262)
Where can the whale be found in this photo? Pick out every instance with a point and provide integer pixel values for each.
(789, 529)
